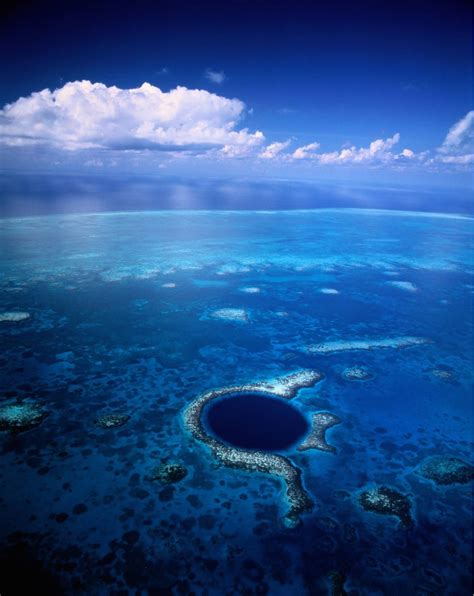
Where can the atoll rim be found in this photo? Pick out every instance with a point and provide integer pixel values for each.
(256, 460)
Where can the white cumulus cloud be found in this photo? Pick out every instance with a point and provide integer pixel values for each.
(272, 150)
(83, 115)
(379, 151)
(186, 122)
(305, 151)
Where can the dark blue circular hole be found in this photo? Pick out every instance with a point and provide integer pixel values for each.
(255, 421)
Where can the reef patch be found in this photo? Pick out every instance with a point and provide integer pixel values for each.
(331, 347)
(443, 374)
(168, 473)
(21, 417)
(406, 286)
(238, 315)
(112, 420)
(320, 423)
(446, 470)
(14, 316)
(357, 373)
(387, 501)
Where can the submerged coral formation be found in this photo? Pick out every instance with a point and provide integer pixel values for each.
(231, 314)
(269, 463)
(21, 417)
(112, 420)
(446, 470)
(14, 316)
(444, 374)
(407, 286)
(330, 347)
(287, 386)
(357, 373)
(387, 501)
(316, 439)
(168, 473)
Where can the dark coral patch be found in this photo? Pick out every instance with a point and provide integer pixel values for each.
(21, 417)
(387, 501)
(446, 470)
(79, 508)
(168, 473)
(112, 420)
(131, 537)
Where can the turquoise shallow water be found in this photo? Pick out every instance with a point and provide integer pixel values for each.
(139, 313)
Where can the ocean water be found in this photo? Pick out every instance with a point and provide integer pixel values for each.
(138, 313)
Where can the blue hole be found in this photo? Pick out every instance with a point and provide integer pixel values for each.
(256, 421)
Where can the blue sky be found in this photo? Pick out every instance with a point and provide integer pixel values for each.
(294, 89)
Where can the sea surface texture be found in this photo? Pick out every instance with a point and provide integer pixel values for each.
(112, 324)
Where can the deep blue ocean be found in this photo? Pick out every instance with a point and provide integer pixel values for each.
(138, 302)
